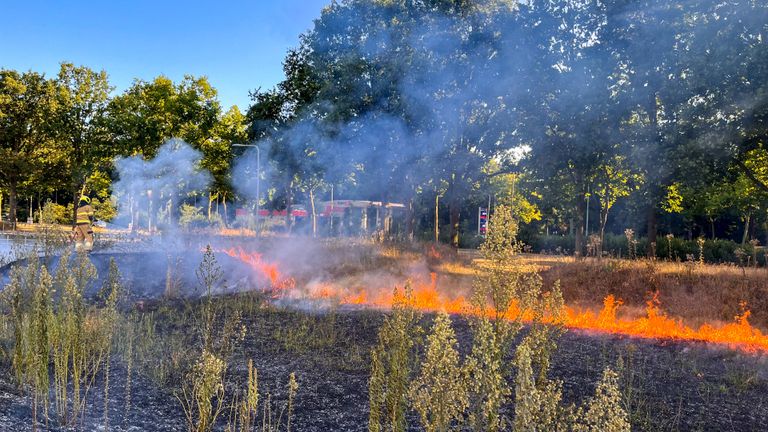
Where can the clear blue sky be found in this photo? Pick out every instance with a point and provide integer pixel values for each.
(238, 45)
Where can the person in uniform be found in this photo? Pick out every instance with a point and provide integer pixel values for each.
(84, 225)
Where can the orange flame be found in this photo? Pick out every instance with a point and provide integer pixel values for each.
(739, 334)
(266, 270)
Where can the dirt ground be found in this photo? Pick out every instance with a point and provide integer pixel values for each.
(669, 386)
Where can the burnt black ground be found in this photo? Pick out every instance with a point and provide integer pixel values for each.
(140, 270)
(668, 385)
(675, 386)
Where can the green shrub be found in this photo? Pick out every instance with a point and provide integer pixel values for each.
(604, 411)
(439, 393)
(53, 213)
(391, 365)
(192, 217)
(104, 210)
(676, 249)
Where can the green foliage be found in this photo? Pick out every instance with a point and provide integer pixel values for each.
(715, 251)
(27, 102)
(537, 402)
(53, 213)
(191, 216)
(203, 392)
(104, 210)
(392, 365)
(247, 408)
(80, 123)
(61, 343)
(486, 378)
(439, 393)
(510, 190)
(604, 411)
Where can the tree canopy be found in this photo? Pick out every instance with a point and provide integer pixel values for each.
(649, 115)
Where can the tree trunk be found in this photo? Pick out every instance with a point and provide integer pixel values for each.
(652, 230)
(437, 218)
(224, 203)
(170, 210)
(578, 247)
(76, 204)
(712, 227)
(131, 208)
(409, 220)
(747, 219)
(210, 204)
(314, 214)
(603, 223)
(288, 204)
(12, 205)
(455, 216)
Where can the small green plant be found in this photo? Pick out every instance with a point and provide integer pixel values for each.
(191, 216)
(629, 233)
(203, 393)
(293, 386)
(56, 332)
(111, 292)
(439, 393)
(504, 295)
(669, 238)
(271, 424)
(486, 379)
(391, 365)
(537, 402)
(247, 409)
(604, 411)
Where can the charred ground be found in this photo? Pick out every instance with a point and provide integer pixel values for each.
(666, 385)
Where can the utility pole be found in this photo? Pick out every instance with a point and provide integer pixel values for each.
(331, 220)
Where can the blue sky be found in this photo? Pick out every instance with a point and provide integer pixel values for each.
(238, 45)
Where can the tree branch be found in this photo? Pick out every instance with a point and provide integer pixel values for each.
(751, 175)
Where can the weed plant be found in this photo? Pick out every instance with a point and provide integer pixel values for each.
(60, 343)
(392, 364)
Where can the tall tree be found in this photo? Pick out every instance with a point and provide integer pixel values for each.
(27, 102)
(80, 125)
(281, 119)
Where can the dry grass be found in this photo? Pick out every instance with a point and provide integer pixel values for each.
(688, 290)
(696, 293)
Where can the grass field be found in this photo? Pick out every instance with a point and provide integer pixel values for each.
(308, 329)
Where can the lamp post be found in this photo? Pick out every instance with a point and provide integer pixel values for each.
(258, 178)
(149, 211)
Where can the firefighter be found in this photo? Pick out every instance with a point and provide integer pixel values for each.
(83, 229)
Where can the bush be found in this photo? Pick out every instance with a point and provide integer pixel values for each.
(439, 394)
(53, 213)
(104, 210)
(192, 217)
(391, 361)
(675, 249)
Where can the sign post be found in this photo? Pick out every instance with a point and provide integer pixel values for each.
(482, 221)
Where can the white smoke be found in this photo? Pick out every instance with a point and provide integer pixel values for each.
(149, 191)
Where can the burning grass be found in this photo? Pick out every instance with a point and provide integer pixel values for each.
(631, 298)
(320, 318)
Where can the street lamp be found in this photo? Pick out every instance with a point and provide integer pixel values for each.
(258, 178)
